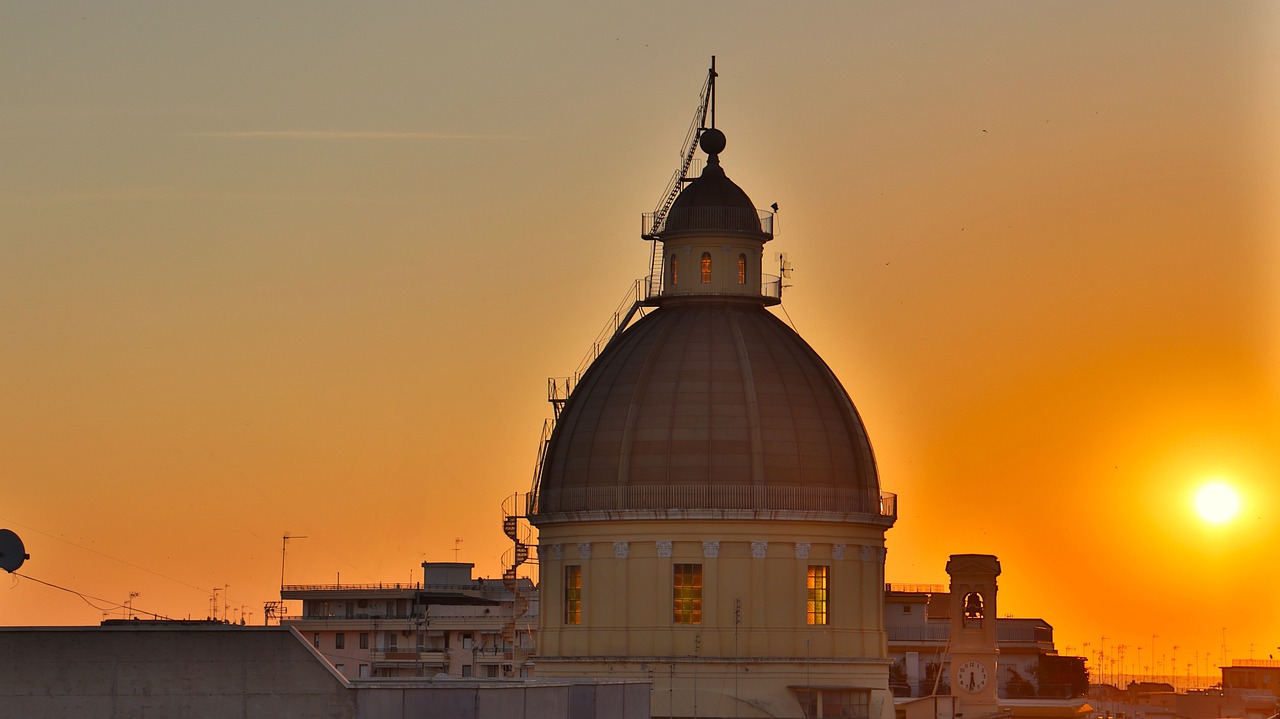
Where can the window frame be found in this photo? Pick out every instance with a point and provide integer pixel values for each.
(706, 268)
(572, 594)
(686, 593)
(817, 595)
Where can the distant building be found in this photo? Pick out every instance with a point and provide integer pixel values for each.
(1252, 676)
(917, 620)
(450, 623)
(948, 642)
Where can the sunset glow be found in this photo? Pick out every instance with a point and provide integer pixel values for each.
(269, 267)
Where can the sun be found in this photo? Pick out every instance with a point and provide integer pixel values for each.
(1217, 502)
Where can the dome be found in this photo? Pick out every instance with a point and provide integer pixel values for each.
(708, 405)
(712, 201)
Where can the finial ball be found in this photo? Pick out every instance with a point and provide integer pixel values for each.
(712, 141)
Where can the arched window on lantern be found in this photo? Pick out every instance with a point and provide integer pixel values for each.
(742, 269)
(706, 268)
(672, 274)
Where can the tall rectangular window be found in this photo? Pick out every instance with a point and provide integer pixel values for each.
(340, 641)
(686, 592)
(816, 604)
(573, 594)
(364, 640)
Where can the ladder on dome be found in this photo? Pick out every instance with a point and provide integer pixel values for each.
(652, 226)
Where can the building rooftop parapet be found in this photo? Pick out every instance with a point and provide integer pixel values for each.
(915, 588)
(402, 586)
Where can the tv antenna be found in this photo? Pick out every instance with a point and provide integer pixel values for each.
(284, 545)
(457, 547)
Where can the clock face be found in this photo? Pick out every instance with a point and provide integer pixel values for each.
(971, 676)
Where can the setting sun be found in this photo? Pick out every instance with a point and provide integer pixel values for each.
(1217, 502)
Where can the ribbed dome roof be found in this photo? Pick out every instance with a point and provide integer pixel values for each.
(709, 405)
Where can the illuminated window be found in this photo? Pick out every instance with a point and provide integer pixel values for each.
(673, 274)
(742, 269)
(573, 594)
(686, 592)
(816, 606)
(706, 267)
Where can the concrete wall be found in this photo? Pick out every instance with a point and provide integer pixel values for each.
(192, 672)
(222, 672)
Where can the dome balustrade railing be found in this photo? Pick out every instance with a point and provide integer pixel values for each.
(726, 219)
(694, 497)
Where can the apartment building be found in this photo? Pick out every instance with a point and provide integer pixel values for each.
(450, 623)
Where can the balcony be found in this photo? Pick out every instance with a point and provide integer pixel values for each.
(1008, 631)
(364, 619)
(409, 657)
(926, 634)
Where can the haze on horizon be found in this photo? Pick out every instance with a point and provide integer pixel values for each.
(305, 268)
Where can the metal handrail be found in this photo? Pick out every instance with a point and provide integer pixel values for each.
(712, 219)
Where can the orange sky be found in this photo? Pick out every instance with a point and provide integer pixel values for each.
(305, 268)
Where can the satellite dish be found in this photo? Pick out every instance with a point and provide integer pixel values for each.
(12, 553)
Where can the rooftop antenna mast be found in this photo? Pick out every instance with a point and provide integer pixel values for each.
(711, 91)
(284, 546)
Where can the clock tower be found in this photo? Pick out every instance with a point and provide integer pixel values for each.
(973, 634)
